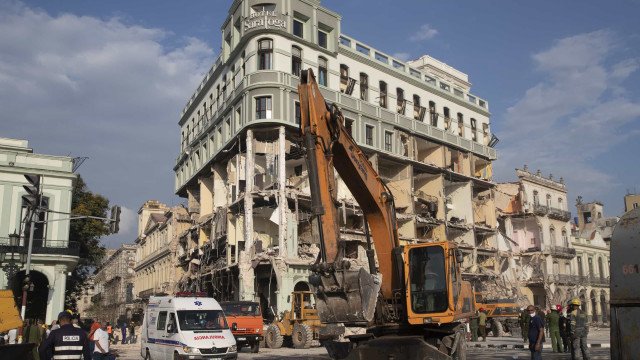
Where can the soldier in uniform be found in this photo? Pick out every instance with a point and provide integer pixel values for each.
(554, 328)
(482, 323)
(524, 324)
(473, 326)
(578, 330)
(67, 342)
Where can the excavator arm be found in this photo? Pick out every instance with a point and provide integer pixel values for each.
(345, 295)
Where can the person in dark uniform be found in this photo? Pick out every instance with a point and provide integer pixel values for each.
(67, 342)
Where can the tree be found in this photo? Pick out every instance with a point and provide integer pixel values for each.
(87, 232)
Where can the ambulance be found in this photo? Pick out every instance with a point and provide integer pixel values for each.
(186, 326)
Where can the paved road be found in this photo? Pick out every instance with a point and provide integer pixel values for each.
(131, 352)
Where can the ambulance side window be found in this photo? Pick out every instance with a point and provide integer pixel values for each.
(162, 320)
(173, 325)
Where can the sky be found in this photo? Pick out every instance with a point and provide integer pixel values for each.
(108, 80)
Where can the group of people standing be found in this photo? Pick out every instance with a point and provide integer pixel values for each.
(68, 338)
(568, 332)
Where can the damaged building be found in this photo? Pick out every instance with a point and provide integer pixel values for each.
(242, 166)
(535, 221)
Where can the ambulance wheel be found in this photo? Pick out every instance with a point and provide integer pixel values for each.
(273, 338)
(302, 336)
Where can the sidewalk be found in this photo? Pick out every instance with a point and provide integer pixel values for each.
(598, 338)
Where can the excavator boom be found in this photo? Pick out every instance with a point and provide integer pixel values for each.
(345, 295)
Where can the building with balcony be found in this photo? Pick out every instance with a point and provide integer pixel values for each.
(591, 238)
(242, 168)
(53, 253)
(534, 217)
(113, 298)
(156, 269)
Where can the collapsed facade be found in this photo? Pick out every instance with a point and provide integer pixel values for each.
(242, 166)
(534, 217)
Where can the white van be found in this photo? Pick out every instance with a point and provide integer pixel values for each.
(186, 326)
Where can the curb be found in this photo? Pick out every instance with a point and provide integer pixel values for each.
(521, 346)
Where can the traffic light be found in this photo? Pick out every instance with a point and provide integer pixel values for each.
(114, 225)
(34, 195)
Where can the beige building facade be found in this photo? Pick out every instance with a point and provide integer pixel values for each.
(156, 270)
(113, 298)
(591, 239)
(535, 218)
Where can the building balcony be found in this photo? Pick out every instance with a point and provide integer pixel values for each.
(564, 279)
(558, 214)
(536, 280)
(42, 247)
(562, 252)
(540, 210)
(598, 281)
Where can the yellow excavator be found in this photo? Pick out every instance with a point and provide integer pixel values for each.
(411, 300)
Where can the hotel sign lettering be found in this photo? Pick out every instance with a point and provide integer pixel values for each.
(266, 20)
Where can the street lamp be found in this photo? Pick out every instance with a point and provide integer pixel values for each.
(11, 268)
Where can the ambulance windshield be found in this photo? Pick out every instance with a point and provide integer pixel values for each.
(193, 320)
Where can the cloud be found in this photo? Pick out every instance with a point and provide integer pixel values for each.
(575, 113)
(402, 56)
(102, 88)
(426, 32)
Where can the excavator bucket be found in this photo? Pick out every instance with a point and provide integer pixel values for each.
(346, 296)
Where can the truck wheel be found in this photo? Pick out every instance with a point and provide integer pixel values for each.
(255, 347)
(302, 336)
(496, 328)
(273, 338)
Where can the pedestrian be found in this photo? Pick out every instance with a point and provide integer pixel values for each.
(123, 328)
(66, 342)
(554, 329)
(34, 333)
(109, 331)
(12, 336)
(101, 341)
(482, 324)
(524, 324)
(564, 330)
(473, 326)
(535, 333)
(94, 326)
(578, 330)
(132, 333)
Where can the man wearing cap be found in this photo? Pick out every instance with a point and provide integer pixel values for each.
(554, 328)
(67, 342)
(578, 330)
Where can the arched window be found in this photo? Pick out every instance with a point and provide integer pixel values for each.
(296, 60)
(344, 77)
(433, 114)
(536, 198)
(600, 268)
(548, 200)
(322, 71)
(265, 54)
(565, 238)
(460, 125)
(560, 204)
(552, 232)
(401, 105)
(364, 87)
(383, 94)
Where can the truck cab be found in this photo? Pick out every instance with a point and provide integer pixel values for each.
(186, 326)
(246, 322)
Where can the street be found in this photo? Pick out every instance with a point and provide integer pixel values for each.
(494, 348)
